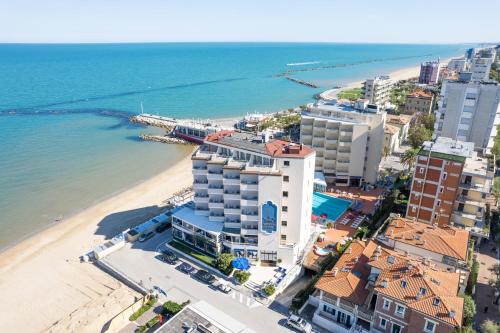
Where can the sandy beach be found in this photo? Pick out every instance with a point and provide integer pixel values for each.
(400, 74)
(43, 285)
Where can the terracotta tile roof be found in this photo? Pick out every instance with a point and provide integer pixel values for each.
(402, 119)
(445, 240)
(418, 286)
(280, 148)
(419, 93)
(391, 129)
(349, 276)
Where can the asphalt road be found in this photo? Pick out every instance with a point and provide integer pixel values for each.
(137, 261)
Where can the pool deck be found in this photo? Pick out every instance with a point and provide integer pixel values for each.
(370, 198)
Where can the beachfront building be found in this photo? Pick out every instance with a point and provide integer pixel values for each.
(469, 111)
(429, 72)
(348, 141)
(436, 178)
(458, 64)
(377, 90)
(445, 246)
(419, 101)
(374, 289)
(253, 198)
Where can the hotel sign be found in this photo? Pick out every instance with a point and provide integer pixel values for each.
(269, 218)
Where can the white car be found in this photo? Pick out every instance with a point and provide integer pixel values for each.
(299, 324)
(224, 287)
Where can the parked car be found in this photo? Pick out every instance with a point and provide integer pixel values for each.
(224, 287)
(146, 236)
(186, 268)
(204, 276)
(299, 324)
(169, 258)
(164, 226)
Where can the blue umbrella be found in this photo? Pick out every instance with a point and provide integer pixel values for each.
(241, 263)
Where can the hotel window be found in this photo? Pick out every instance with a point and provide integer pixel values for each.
(395, 328)
(383, 323)
(284, 223)
(441, 190)
(421, 170)
(414, 209)
(438, 203)
(400, 310)
(286, 163)
(387, 304)
(285, 194)
(429, 326)
(284, 209)
(283, 237)
(445, 175)
(286, 179)
(329, 309)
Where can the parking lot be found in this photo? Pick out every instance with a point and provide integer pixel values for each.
(138, 261)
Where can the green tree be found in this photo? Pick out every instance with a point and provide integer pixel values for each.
(469, 309)
(494, 281)
(223, 262)
(409, 157)
(465, 329)
(496, 187)
(427, 120)
(269, 289)
(418, 134)
(489, 326)
(171, 308)
(241, 276)
(496, 145)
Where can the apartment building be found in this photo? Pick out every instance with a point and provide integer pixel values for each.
(429, 72)
(445, 247)
(469, 111)
(377, 90)
(374, 289)
(452, 185)
(436, 178)
(244, 201)
(458, 64)
(419, 101)
(348, 141)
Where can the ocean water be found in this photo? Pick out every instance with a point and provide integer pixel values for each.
(65, 140)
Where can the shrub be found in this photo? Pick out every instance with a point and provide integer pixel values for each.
(171, 308)
(471, 282)
(223, 263)
(269, 289)
(469, 309)
(241, 276)
(489, 326)
(142, 309)
(152, 322)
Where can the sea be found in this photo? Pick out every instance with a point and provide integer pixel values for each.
(65, 139)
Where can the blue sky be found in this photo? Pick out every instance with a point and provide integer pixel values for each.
(391, 21)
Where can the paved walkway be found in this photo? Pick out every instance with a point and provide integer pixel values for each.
(484, 295)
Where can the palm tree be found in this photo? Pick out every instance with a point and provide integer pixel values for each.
(408, 158)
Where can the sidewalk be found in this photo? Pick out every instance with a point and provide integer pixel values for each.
(484, 295)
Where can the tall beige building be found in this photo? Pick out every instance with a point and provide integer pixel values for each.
(348, 141)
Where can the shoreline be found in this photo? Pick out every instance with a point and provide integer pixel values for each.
(58, 245)
(43, 272)
(396, 75)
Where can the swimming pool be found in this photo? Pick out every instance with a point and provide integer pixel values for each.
(331, 206)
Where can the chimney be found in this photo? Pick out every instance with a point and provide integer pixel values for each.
(349, 250)
(452, 313)
(335, 271)
(384, 283)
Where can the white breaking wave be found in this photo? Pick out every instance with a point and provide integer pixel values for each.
(303, 63)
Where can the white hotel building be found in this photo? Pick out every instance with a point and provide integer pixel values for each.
(253, 198)
(348, 141)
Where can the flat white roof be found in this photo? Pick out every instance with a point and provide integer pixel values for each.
(219, 318)
(200, 221)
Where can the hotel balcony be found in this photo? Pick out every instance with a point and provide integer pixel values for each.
(215, 190)
(216, 204)
(200, 185)
(231, 195)
(249, 201)
(213, 217)
(249, 216)
(200, 199)
(199, 171)
(249, 230)
(231, 181)
(233, 210)
(249, 186)
(213, 175)
(483, 188)
(464, 199)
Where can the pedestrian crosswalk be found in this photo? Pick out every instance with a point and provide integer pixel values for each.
(246, 300)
